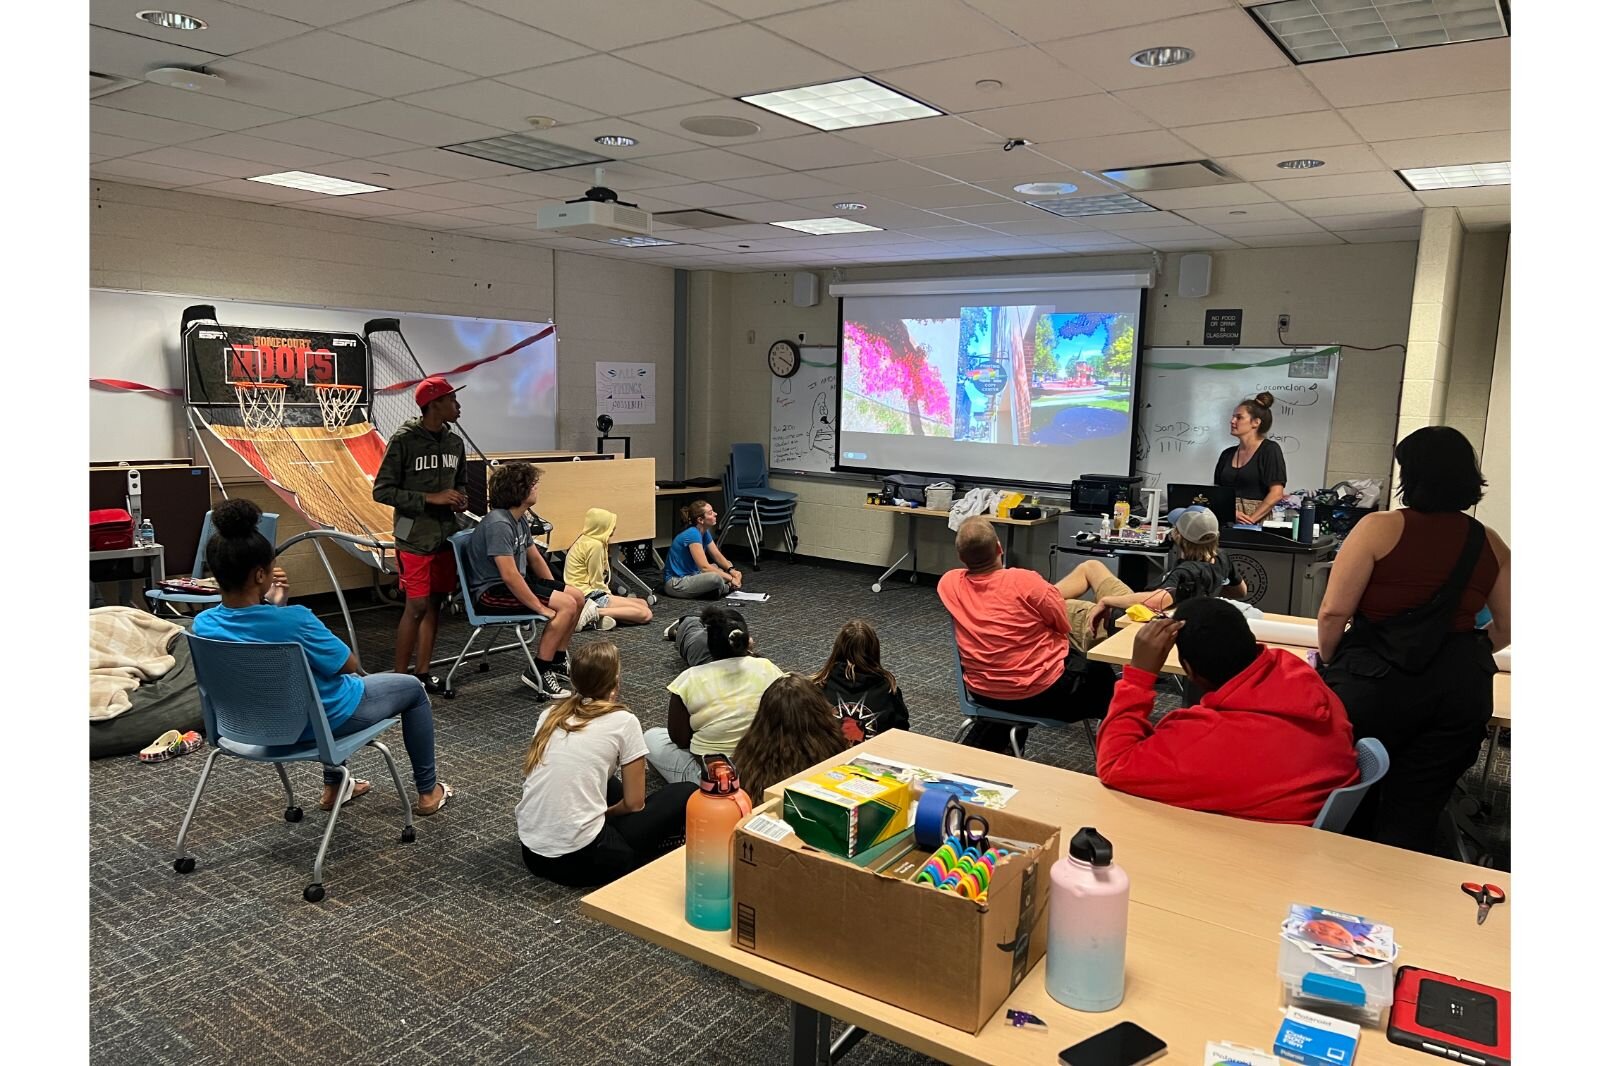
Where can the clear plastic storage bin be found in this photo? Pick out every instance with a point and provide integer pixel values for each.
(1361, 994)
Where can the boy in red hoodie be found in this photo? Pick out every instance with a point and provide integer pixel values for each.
(1268, 740)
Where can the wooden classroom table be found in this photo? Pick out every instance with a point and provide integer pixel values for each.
(1208, 894)
(913, 513)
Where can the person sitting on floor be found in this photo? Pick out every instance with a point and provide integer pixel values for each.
(1202, 570)
(696, 569)
(1014, 640)
(252, 611)
(579, 824)
(1268, 741)
(496, 554)
(865, 695)
(588, 569)
(794, 728)
(713, 701)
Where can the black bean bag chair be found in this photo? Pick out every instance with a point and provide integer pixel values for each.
(170, 702)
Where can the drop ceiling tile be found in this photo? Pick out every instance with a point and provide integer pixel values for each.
(200, 162)
(495, 103)
(434, 220)
(1324, 208)
(1044, 20)
(1285, 132)
(735, 61)
(278, 155)
(1167, 232)
(987, 214)
(608, 85)
(1016, 166)
(1205, 244)
(705, 195)
(413, 200)
(294, 93)
(952, 231)
(1134, 221)
(622, 176)
(1263, 212)
(1045, 225)
(184, 106)
(526, 233)
(543, 185)
(1088, 184)
(582, 135)
(762, 211)
(1471, 113)
(1488, 196)
(1343, 159)
(880, 34)
(447, 164)
(812, 151)
(407, 123)
(1119, 150)
(258, 192)
(318, 12)
(471, 192)
(350, 206)
(1374, 220)
(1224, 42)
(881, 212)
(1480, 218)
(374, 173)
(461, 36)
(882, 177)
(1381, 236)
(1274, 228)
(1026, 76)
(606, 25)
(1208, 196)
(1082, 116)
(1443, 151)
(347, 141)
(132, 56)
(1369, 184)
(785, 186)
(354, 64)
(1291, 240)
(109, 146)
(1415, 74)
(148, 174)
(770, 127)
(230, 29)
(1235, 96)
(940, 197)
(712, 164)
(485, 213)
(925, 137)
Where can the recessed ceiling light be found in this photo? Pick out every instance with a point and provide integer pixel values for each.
(1045, 188)
(1167, 55)
(615, 140)
(184, 78)
(638, 242)
(529, 153)
(1314, 30)
(842, 105)
(299, 179)
(1300, 164)
(720, 126)
(827, 225)
(1085, 206)
(846, 205)
(172, 20)
(541, 122)
(1463, 176)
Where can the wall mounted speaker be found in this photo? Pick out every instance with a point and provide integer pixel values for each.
(1194, 275)
(806, 287)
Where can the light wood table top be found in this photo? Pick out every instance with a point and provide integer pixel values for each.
(689, 490)
(1208, 894)
(931, 513)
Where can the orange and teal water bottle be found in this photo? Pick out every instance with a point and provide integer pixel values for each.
(712, 814)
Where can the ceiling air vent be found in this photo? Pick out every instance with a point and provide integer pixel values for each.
(697, 219)
(1163, 176)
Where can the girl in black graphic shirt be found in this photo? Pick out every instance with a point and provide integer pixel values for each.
(865, 695)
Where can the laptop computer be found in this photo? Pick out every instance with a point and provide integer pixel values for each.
(1222, 501)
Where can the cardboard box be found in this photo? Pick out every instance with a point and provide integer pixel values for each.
(929, 952)
(847, 810)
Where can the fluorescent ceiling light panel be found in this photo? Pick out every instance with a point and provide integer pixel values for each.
(1463, 176)
(638, 242)
(842, 105)
(299, 179)
(1085, 206)
(1315, 30)
(529, 153)
(828, 225)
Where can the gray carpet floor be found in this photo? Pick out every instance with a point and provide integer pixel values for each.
(447, 950)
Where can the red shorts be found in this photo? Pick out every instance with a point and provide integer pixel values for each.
(422, 576)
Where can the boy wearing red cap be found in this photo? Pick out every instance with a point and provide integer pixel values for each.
(423, 476)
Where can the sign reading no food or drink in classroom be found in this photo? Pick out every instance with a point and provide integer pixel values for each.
(1224, 325)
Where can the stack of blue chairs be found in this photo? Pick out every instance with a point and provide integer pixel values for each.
(754, 504)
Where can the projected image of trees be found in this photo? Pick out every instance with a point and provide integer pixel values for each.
(1081, 376)
(896, 374)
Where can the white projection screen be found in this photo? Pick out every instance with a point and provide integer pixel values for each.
(1022, 379)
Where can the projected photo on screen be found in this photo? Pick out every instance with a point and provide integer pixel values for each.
(975, 386)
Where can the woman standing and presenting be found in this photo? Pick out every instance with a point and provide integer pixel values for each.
(1254, 468)
(1413, 670)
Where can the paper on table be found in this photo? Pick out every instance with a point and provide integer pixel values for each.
(1295, 634)
(1502, 658)
(748, 597)
(974, 790)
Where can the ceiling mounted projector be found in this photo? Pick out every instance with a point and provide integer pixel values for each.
(184, 78)
(596, 215)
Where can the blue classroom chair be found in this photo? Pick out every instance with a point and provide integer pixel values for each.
(973, 711)
(267, 524)
(1341, 804)
(479, 622)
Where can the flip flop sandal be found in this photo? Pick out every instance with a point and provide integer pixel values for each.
(448, 792)
(354, 789)
(162, 748)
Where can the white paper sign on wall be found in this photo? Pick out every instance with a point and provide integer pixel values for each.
(626, 392)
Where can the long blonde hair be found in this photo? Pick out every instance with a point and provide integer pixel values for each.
(794, 728)
(596, 672)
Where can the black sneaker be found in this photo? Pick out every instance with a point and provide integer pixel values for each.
(432, 682)
(556, 686)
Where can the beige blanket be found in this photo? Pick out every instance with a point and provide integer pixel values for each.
(126, 646)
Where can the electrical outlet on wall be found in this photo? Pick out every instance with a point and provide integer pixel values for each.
(1283, 322)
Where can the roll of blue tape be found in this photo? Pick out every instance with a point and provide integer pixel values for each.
(928, 828)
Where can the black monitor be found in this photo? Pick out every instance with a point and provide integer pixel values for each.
(1222, 501)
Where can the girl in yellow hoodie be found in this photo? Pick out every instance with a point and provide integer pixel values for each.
(588, 568)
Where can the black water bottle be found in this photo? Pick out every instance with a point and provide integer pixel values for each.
(1308, 518)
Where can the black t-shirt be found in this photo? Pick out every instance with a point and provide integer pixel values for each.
(1255, 478)
(1192, 578)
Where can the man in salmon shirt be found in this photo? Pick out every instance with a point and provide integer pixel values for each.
(1012, 634)
(1268, 740)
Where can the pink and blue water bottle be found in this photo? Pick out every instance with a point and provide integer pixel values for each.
(1088, 946)
(709, 821)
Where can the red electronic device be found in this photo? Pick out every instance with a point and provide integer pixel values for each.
(1458, 1020)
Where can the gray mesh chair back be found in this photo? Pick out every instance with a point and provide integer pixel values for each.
(258, 695)
(1373, 760)
(267, 525)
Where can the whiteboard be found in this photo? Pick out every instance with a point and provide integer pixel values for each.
(507, 406)
(1187, 396)
(803, 422)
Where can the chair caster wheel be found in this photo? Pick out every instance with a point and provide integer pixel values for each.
(313, 894)
(449, 693)
(877, 586)
(408, 835)
(483, 668)
(183, 865)
(293, 814)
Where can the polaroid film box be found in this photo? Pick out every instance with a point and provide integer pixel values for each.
(823, 915)
(1316, 1039)
(847, 809)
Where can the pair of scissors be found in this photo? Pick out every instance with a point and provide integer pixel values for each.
(1486, 895)
(972, 830)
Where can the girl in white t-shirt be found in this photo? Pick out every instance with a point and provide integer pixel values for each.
(579, 824)
(715, 700)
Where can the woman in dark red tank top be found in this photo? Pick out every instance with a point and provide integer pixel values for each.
(1430, 712)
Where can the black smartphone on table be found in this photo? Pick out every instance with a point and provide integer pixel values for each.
(1124, 1044)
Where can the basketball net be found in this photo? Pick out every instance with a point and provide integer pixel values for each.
(260, 403)
(337, 401)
